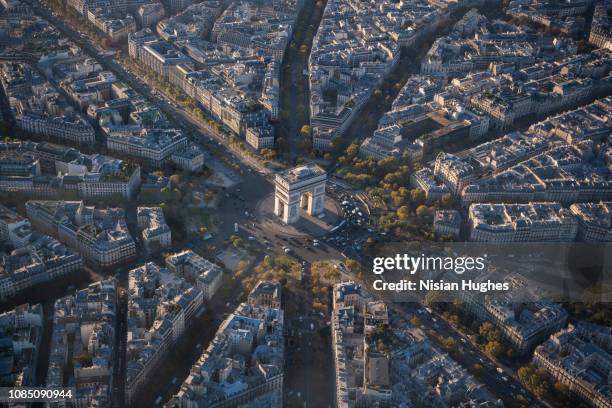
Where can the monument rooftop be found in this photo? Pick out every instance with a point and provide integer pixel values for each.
(301, 173)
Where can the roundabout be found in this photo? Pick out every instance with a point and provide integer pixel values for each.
(308, 226)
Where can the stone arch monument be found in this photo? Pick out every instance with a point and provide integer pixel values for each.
(301, 187)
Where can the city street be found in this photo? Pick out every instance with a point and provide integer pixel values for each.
(294, 104)
(308, 356)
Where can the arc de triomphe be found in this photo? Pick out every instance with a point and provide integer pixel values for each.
(300, 187)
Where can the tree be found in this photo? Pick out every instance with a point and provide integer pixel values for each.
(418, 196)
(305, 131)
(453, 319)
(236, 241)
(319, 307)
(85, 360)
(448, 343)
(485, 328)
(175, 179)
(397, 200)
(493, 348)
(489, 332)
(352, 150)
(535, 379)
(268, 153)
(562, 389)
(352, 265)
(422, 211)
(403, 213)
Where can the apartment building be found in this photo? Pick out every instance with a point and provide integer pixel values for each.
(266, 293)
(203, 274)
(600, 27)
(82, 343)
(100, 236)
(533, 222)
(594, 221)
(149, 14)
(447, 223)
(579, 358)
(155, 233)
(153, 145)
(15, 230)
(260, 137)
(453, 172)
(65, 171)
(41, 260)
(190, 159)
